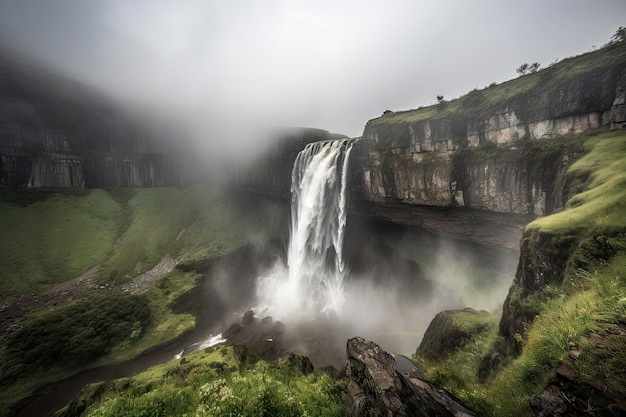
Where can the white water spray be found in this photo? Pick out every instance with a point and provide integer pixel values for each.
(313, 283)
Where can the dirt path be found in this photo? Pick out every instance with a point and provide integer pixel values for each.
(14, 308)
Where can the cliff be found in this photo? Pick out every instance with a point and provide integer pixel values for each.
(55, 132)
(494, 149)
(479, 167)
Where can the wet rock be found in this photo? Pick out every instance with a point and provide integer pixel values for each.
(551, 402)
(279, 329)
(232, 330)
(449, 330)
(248, 318)
(376, 388)
(302, 363)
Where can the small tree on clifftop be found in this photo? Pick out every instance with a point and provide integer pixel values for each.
(526, 68)
(619, 36)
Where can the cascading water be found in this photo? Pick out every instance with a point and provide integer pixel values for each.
(313, 282)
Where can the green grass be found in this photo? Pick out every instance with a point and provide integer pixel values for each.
(54, 235)
(579, 317)
(530, 87)
(569, 329)
(197, 221)
(219, 381)
(49, 237)
(165, 324)
(458, 372)
(603, 204)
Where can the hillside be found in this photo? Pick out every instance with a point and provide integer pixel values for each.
(73, 259)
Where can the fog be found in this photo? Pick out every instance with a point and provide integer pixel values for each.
(223, 69)
(224, 72)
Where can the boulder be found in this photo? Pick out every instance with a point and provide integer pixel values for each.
(376, 388)
(302, 363)
(248, 318)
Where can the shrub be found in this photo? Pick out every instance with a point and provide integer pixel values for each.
(75, 334)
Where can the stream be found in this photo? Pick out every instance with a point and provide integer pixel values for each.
(219, 295)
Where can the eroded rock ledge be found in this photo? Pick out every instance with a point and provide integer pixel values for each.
(376, 388)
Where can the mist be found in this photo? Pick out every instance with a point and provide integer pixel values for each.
(225, 72)
(223, 76)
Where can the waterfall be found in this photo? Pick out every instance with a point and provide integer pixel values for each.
(313, 282)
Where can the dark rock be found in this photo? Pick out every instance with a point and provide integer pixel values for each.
(444, 335)
(248, 318)
(245, 354)
(376, 388)
(232, 330)
(332, 372)
(552, 402)
(279, 329)
(267, 320)
(302, 363)
(567, 372)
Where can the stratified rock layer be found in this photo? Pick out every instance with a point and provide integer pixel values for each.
(376, 388)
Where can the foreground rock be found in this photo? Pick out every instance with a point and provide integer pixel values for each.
(376, 388)
(452, 329)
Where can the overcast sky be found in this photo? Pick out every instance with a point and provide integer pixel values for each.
(327, 64)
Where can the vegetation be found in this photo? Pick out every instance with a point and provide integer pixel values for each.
(531, 88)
(579, 317)
(528, 68)
(74, 335)
(51, 236)
(217, 381)
(54, 235)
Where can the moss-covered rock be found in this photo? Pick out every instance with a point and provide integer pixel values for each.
(450, 330)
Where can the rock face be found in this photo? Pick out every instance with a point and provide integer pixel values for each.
(55, 132)
(440, 156)
(376, 388)
(28, 158)
(565, 396)
(480, 167)
(271, 173)
(450, 330)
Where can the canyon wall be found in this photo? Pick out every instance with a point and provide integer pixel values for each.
(55, 132)
(48, 158)
(482, 166)
(490, 150)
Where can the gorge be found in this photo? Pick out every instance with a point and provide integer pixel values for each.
(525, 175)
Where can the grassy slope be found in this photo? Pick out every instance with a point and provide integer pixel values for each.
(53, 236)
(219, 381)
(574, 315)
(528, 87)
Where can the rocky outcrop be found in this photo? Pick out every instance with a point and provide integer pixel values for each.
(55, 132)
(450, 330)
(55, 165)
(486, 194)
(565, 396)
(480, 167)
(376, 388)
(481, 152)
